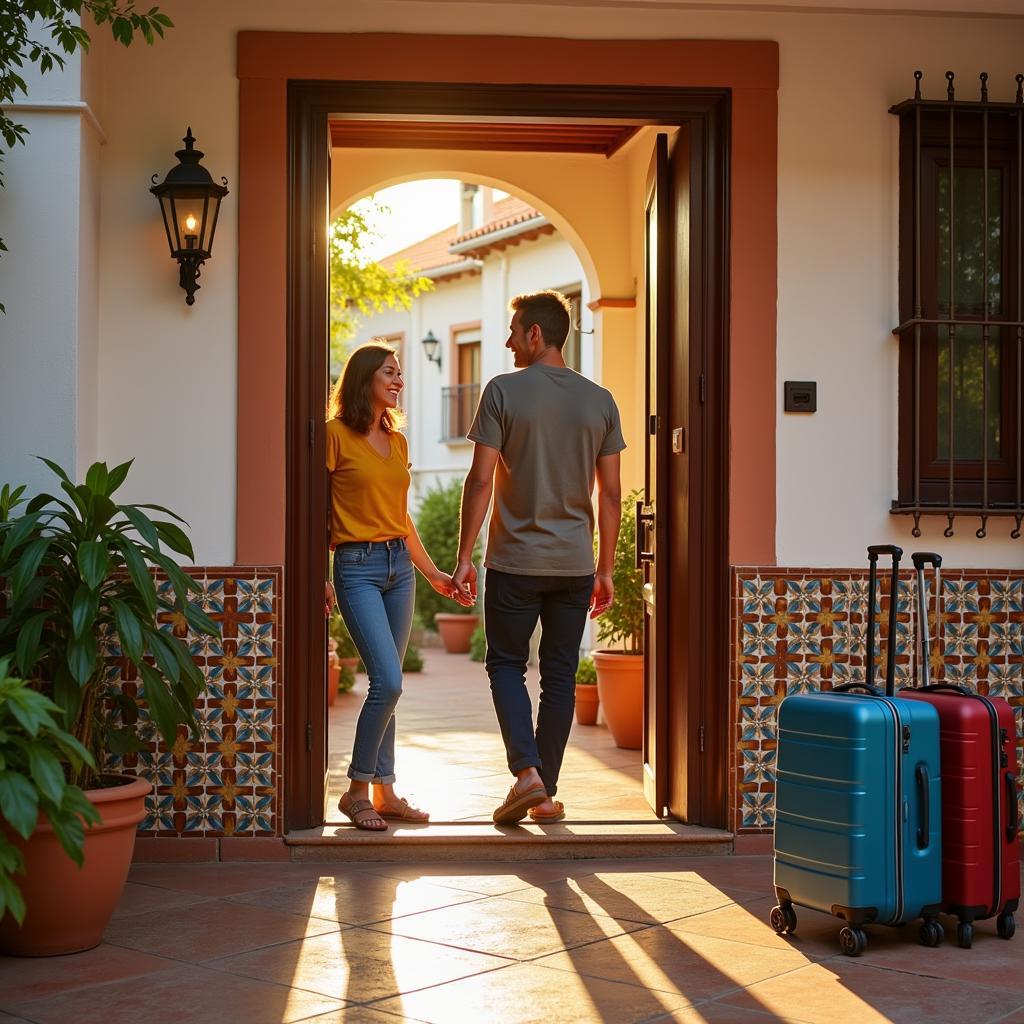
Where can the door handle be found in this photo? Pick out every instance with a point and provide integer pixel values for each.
(644, 520)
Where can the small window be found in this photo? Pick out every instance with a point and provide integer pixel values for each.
(960, 309)
(459, 401)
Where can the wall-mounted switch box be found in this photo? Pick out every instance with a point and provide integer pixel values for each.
(801, 396)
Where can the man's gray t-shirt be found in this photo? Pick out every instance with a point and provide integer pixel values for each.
(550, 424)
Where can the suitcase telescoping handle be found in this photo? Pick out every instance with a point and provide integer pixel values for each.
(896, 553)
(922, 642)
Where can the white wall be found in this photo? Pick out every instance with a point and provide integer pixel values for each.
(48, 222)
(546, 262)
(168, 394)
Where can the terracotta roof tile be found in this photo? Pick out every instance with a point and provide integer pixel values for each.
(432, 252)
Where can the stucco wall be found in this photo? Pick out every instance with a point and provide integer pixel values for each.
(167, 392)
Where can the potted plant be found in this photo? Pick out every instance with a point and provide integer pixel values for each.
(82, 590)
(333, 670)
(437, 523)
(620, 670)
(587, 700)
(344, 645)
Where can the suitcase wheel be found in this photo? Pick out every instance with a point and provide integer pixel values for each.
(853, 941)
(1006, 926)
(783, 919)
(964, 934)
(931, 934)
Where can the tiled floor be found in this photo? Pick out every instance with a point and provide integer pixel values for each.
(552, 943)
(450, 759)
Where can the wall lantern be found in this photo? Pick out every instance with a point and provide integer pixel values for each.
(190, 202)
(430, 344)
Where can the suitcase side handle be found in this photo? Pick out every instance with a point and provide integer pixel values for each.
(925, 827)
(874, 550)
(866, 687)
(1013, 811)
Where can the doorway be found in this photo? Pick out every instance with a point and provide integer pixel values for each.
(688, 676)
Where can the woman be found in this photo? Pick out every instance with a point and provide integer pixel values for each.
(375, 547)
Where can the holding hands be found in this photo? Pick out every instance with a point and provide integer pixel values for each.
(447, 587)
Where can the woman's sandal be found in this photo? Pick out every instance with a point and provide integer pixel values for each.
(361, 813)
(403, 811)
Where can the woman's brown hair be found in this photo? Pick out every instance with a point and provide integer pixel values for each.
(350, 396)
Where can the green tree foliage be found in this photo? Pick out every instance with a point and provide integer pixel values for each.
(360, 286)
(437, 523)
(25, 24)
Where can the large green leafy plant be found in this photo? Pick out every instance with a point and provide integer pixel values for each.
(33, 752)
(437, 523)
(78, 567)
(623, 623)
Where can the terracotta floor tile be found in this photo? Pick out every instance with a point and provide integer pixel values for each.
(626, 896)
(842, 989)
(224, 879)
(186, 995)
(481, 880)
(358, 966)
(817, 935)
(26, 978)
(138, 898)
(214, 928)
(693, 967)
(507, 928)
(357, 899)
(528, 994)
(720, 1013)
(356, 1015)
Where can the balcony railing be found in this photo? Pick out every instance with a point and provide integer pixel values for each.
(458, 406)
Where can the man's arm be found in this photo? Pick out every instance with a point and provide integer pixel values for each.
(476, 496)
(609, 516)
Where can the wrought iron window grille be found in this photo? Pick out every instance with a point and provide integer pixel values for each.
(961, 314)
(458, 406)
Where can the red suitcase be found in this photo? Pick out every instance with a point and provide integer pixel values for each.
(980, 825)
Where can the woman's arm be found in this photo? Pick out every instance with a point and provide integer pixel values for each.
(440, 581)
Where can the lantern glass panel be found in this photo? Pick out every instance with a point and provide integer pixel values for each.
(170, 222)
(210, 224)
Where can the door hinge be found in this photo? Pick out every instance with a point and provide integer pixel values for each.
(701, 387)
(312, 432)
(700, 735)
(309, 735)
(652, 425)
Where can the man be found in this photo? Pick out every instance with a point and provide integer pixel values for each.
(541, 436)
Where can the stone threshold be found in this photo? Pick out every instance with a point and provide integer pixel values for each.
(475, 841)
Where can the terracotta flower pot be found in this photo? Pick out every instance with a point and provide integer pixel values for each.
(587, 703)
(620, 686)
(352, 663)
(456, 631)
(68, 908)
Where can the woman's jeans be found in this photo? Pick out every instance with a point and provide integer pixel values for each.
(375, 584)
(513, 605)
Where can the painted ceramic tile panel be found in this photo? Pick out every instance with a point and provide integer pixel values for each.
(228, 781)
(795, 631)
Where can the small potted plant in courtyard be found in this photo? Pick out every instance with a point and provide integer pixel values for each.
(620, 669)
(82, 594)
(437, 522)
(587, 701)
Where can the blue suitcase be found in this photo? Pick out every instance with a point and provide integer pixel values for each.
(858, 801)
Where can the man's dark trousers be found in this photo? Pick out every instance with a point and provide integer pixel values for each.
(512, 607)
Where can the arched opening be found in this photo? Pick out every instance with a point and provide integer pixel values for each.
(449, 750)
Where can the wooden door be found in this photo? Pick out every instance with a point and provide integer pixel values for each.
(651, 524)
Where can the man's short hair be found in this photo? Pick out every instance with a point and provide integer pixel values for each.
(549, 310)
